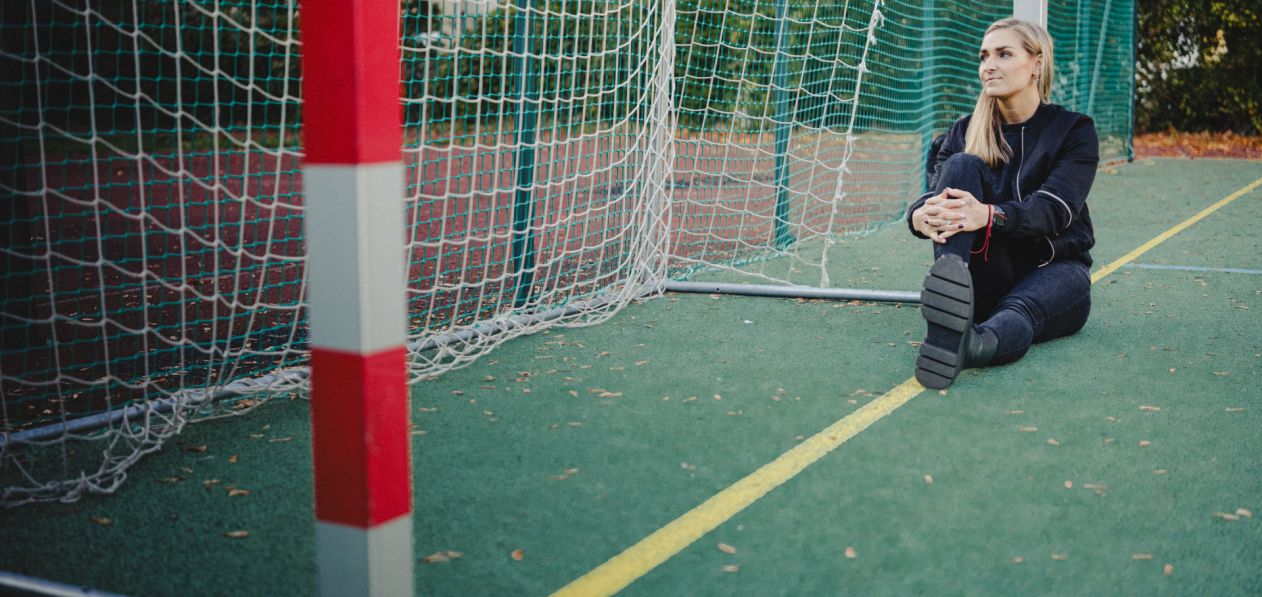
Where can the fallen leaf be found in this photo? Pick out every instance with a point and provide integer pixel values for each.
(573, 393)
(1052, 442)
(1144, 443)
(1060, 557)
(518, 555)
(277, 440)
(1226, 516)
(442, 556)
(1017, 560)
(727, 549)
(1069, 484)
(1244, 513)
(731, 568)
(198, 449)
(174, 479)
(234, 492)
(237, 534)
(1016, 412)
(1231, 409)
(1027, 429)
(1141, 556)
(1151, 409)
(850, 553)
(103, 521)
(1161, 471)
(232, 459)
(641, 363)
(928, 479)
(1167, 569)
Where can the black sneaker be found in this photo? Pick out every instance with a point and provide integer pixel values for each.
(946, 302)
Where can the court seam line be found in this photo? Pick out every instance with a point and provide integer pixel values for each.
(1193, 268)
(641, 558)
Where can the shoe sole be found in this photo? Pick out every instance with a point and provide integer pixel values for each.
(946, 302)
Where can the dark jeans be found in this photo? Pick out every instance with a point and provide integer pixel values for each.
(1021, 302)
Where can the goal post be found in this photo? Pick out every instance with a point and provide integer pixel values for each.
(353, 176)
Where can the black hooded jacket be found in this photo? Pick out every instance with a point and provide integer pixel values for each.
(1042, 188)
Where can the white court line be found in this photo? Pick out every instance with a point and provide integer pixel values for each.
(1193, 268)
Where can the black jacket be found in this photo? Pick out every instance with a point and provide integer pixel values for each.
(1043, 187)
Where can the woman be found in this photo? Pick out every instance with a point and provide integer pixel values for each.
(1007, 215)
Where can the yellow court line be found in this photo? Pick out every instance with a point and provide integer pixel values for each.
(1164, 236)
(624, 568)
(637, 560)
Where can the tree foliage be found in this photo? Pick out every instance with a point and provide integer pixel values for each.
(1199, 65)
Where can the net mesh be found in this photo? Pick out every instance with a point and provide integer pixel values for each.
(563, 157)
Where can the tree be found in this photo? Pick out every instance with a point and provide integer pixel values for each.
(1198, 64)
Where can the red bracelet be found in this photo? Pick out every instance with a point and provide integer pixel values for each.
(985, 250)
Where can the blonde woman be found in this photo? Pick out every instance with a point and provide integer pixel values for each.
(1007, 215)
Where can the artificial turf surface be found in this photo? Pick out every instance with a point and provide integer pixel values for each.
(1122, 460)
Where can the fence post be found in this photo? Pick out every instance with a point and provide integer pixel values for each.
(783, 122)
(525, 115)
(1034, 11)
(928, 69)
(353, 184)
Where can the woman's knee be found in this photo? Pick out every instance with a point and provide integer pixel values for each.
(962, 162)
(960, 168)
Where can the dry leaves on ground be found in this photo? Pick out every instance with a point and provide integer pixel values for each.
(442, 556)
(1198, 145)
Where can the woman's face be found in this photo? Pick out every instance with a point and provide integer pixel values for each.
(1005, 67)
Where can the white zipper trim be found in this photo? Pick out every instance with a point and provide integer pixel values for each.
(1053, 247)
(1062, 202)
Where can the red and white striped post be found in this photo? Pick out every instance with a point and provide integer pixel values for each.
(353, 182)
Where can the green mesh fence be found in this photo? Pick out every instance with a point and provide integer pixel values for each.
(563, 157)
(1095, 67)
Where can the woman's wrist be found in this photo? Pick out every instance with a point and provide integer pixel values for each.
(981, 215)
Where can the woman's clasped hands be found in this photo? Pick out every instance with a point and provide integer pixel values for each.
(950, 212)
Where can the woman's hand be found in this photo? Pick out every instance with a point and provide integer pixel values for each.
(948, 213)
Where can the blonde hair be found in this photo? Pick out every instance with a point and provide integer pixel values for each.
(984, 137)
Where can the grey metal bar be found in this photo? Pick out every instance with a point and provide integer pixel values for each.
(488, 329)
(16, 584)
(885, 296)
(161, 405)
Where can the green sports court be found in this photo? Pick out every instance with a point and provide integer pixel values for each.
(662, 449)
(587, 298)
